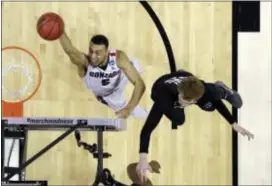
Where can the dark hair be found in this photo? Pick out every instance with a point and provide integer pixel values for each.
(100, 39)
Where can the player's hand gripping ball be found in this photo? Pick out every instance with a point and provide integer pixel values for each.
(50, 26)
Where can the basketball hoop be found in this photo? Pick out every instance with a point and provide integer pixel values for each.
(21, 79)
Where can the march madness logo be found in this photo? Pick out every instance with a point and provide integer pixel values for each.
(44, 121)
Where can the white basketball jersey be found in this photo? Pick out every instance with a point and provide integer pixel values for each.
(104, 82)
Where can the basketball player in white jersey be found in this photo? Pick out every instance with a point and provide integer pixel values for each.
(105, 72)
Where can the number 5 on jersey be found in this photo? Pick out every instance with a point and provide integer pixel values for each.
(105, 82)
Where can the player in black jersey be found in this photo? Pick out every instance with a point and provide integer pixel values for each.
(171, 93)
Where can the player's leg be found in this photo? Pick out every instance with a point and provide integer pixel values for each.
(228, 94)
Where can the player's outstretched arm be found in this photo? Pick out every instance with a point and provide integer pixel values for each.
(242, 131)
(74, 54)
(134, 77)
(223, 110)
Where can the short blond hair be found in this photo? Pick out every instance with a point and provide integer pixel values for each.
(191, 88)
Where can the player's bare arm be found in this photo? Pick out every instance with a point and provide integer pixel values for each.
(76, 57)
(134, 77)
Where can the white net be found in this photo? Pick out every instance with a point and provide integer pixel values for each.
(20, 75)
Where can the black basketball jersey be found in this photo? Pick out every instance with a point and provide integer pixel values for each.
(166, 86)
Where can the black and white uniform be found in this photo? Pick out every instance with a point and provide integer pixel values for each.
(164, 93)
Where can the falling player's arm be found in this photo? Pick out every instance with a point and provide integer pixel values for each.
(223, 110)
(145, 135)
(165, 106)
(133, 76)
(74, 54)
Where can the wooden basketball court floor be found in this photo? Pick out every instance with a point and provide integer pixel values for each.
(199, 152)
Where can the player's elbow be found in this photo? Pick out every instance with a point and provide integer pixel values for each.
(143, 85)
(140, 84)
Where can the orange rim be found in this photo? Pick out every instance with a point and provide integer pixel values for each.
(39, 70)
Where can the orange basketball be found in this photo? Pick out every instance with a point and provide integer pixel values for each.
(50, 26)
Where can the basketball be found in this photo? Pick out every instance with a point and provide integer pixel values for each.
(50, 26)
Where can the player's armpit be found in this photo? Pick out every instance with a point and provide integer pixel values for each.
(133, 75)
(81, 71)
(74, 54)
(126, 65)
